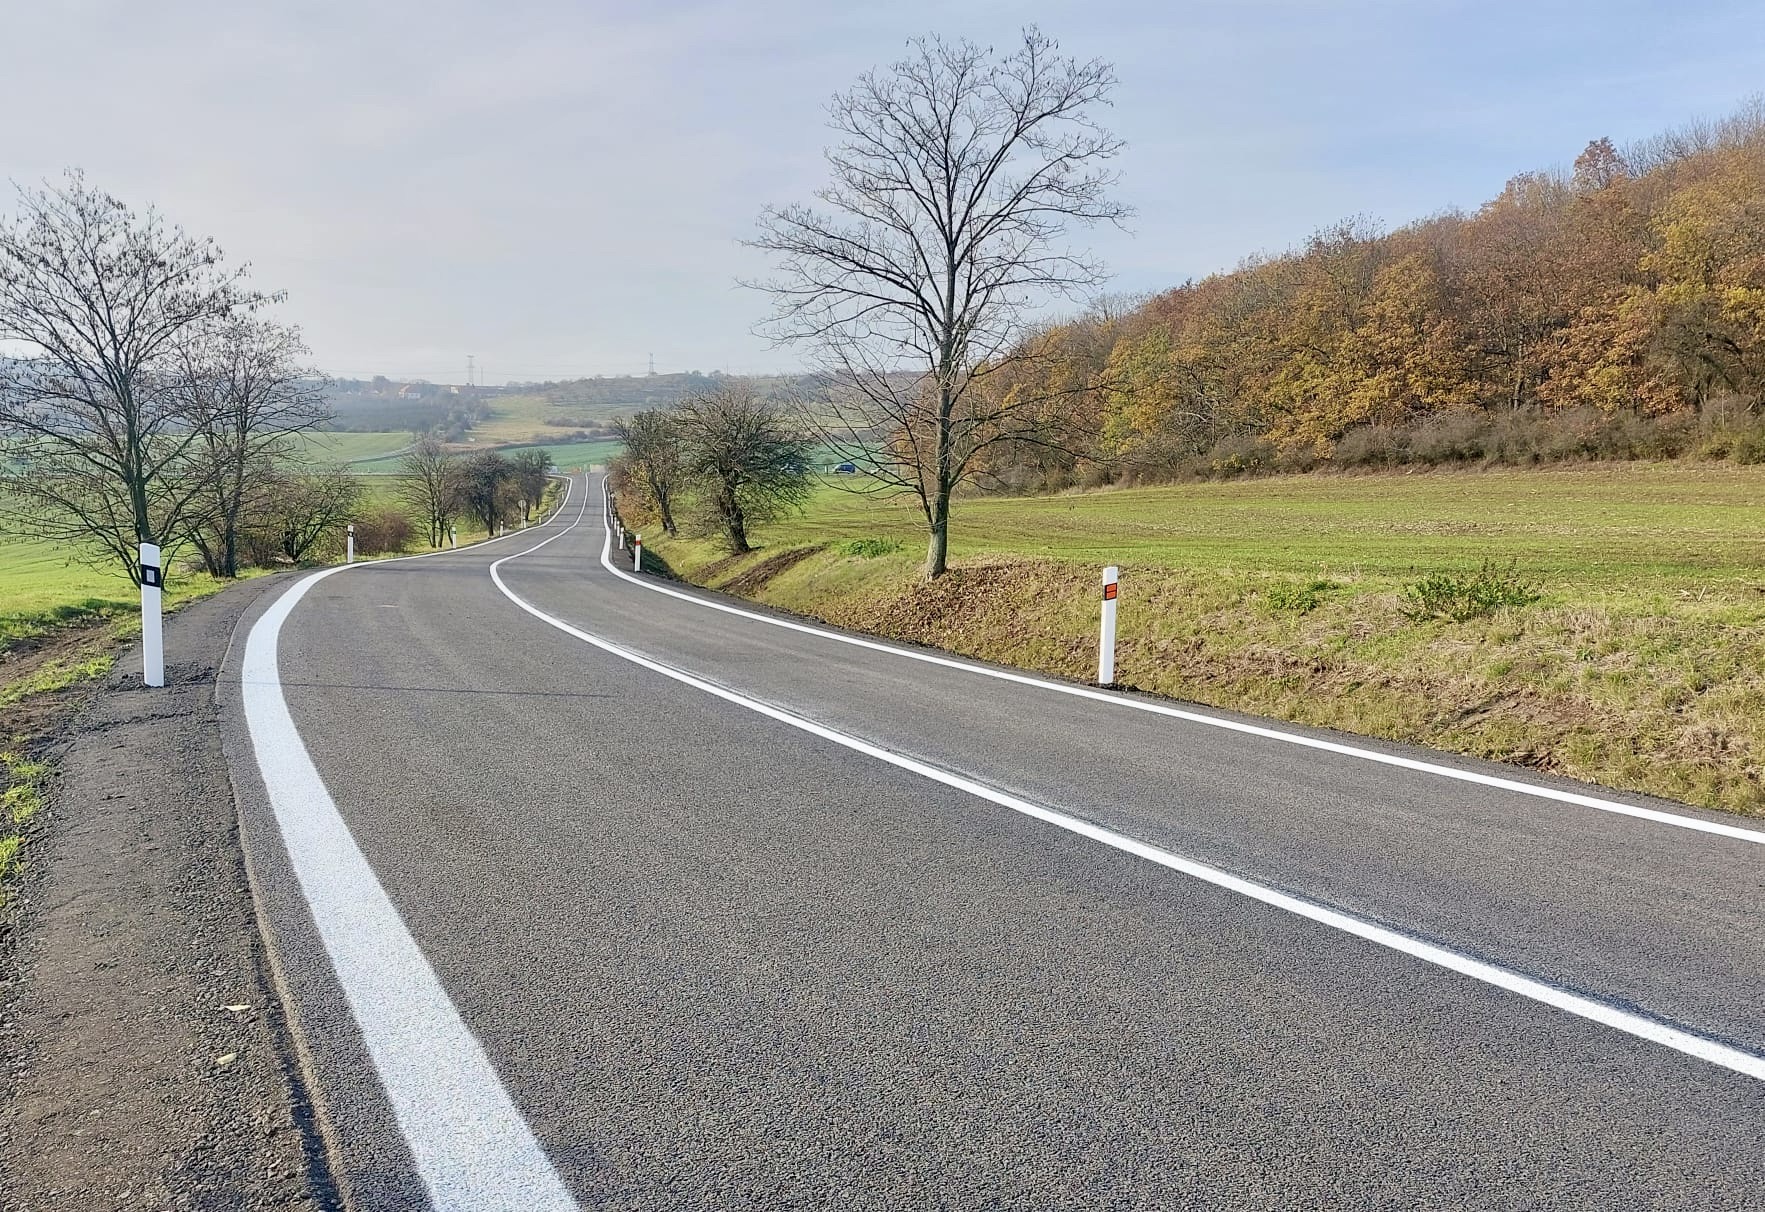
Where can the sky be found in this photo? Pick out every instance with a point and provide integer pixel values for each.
(559, 189)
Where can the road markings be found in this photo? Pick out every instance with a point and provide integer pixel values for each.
(1654, 1030)
(472, 1148)
(1194, 717)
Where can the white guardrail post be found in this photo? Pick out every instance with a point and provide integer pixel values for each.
(1106, 642)
(152, 638)
(637, 554)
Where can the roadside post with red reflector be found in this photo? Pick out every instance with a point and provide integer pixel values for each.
(637, 554)
(1106, 644)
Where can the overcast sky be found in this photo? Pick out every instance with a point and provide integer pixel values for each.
(560, 188)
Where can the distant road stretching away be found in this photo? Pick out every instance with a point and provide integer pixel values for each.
(592, 890)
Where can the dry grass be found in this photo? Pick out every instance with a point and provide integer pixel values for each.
(1650, 679)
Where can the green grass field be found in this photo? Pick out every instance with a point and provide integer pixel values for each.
(522, 419)
(1642, 665)
(575, 454)
(324, 446)
(1678, 525)
(564, 454)
(42, 589)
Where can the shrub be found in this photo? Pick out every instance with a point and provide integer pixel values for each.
(1445, 595)
(1240, 456)
(870, 549)
(1372, 446)
(384, 530)
(1298, 598)
(1748, 448)
(1454, 438)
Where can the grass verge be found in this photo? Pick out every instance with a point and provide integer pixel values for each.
(21, 798)
(1605, 623)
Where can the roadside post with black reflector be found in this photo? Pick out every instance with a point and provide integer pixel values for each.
(349, 546)
(1106, 643)
(152, 639)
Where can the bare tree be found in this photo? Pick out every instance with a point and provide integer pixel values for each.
(956, 176)
(250, 392)
(652, 451)
(487, 488)
(301, 511)
(530, 468)
(747, 456)
(432, 485)
(95, 415)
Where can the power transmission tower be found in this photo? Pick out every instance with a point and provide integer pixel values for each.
(652, 364)
(469, 370)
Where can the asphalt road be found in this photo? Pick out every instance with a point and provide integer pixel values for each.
(713, 959)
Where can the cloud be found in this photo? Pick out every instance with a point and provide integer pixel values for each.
(562, 187)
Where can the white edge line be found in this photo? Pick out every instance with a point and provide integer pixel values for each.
(472, 1148)
(1655, 1031)
(1194, 717)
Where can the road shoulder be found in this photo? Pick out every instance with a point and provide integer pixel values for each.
(147, 1059)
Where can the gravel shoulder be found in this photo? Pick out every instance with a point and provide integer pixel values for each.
(146, 1059)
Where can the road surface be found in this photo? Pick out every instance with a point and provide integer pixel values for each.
(584, 893)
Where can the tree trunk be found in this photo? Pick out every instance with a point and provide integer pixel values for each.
(734, 524)
(937, 520)
(230, 549)
(937, 549)
(937, 513)
(230, 534)
(663, 505)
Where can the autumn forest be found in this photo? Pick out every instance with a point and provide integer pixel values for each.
(1614, 309)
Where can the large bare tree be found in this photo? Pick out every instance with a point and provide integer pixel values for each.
(532, 469)
(747, 458)
(433, 485)
(96, 424)
(304, 513)
(652, 453)
(250, 392)
(488, 491)
(956, 176)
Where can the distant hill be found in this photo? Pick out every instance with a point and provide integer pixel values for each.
(382, 405)
(608, 397)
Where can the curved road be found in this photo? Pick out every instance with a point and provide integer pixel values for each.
(585, 893)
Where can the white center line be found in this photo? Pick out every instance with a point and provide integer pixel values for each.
(1598, 803)
(1654, 1030)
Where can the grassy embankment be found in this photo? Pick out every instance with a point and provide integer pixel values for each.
(1642, 666)
(60, 625)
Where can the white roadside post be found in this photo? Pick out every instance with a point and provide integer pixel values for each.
(1106, 642)
(349, 546)
(152, 639)
(453, 538)
(637, 554)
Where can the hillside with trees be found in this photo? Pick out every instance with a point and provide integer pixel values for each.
(1612, 310)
